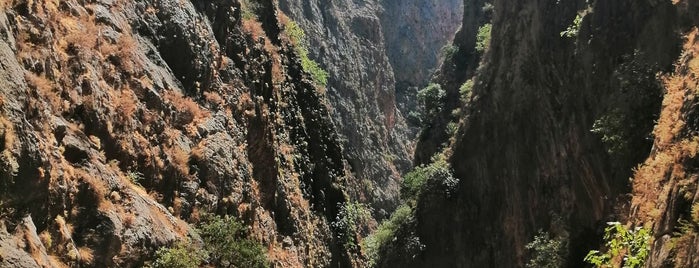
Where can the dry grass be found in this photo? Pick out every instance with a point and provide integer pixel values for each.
(189, 111)
(46, 90)
(7, 131)
(254, 28)
(180, 160)
(128, 219)
(214, 98)
(664, 170)
(126, 106)
(46, 239)
(80, 32)
(86, 255)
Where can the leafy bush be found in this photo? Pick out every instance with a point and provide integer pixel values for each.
(183, 255)
(574, 28)
(298, 38)
(625, 126)
(449, 50)
(483, 37)
(414, 183)
(386, 232)
(632, 245)
(249, 9)
(432, 99)
(351, 217)
(546, 252)
(465, 90)
(225, 241)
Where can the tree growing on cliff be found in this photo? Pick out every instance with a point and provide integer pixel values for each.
(298, 38)
(483, 37)
(225, 245)
(431, 98)
(225, 239)
(630, 247)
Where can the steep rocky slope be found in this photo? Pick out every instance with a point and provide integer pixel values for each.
(665, 185)
(415, 33)
(123, 121)
(454, 71)
(369, 47)
(560, 113)
(347, 39)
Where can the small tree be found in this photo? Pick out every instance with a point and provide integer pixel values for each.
(546, 252)
(351, 217)
(225, 240)
(632, 246)
(483, 37)
(432, 98)
(183, 255)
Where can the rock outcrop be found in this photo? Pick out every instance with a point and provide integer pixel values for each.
(415, 33)
(346, 38)
(377, 53)
(535, 149)
(123, 121)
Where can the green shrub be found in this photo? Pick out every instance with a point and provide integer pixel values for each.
(225, 241)
(432, 100)
(298, 38)
(386, 233)
(249, 9)
(465, 90)
(414, 183)
(574, 28)
(349, 222)
(547, 252)
(183, 255)
(632, 245)
(448, 51)
(483, 37)
(625, 125)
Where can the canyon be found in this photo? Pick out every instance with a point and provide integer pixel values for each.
(376, 133)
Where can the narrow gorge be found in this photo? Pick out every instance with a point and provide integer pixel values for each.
(373, 133)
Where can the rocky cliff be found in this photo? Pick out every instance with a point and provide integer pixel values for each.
(368, 47)
(124, 121)
(562, 107)
(665, 185)
(415, 33)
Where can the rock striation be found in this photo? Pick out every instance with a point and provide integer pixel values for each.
(124, 121)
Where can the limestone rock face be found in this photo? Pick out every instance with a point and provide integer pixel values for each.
(123, 121)
(377, 53)
(524, 153)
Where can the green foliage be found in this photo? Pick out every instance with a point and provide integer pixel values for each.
(465, 90)
(396, 236)
(632, 245)
(452, 127)
(249, 9)
(432, 99)
(626, 124)
(136, 177)
(448, 51)
(386, 233)
(574, 28)
(225, 241)
(414, 183)
(298, 38)
(483, 37)
(611, 127)
(547, 252)
(351, 217)
(183, 255)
